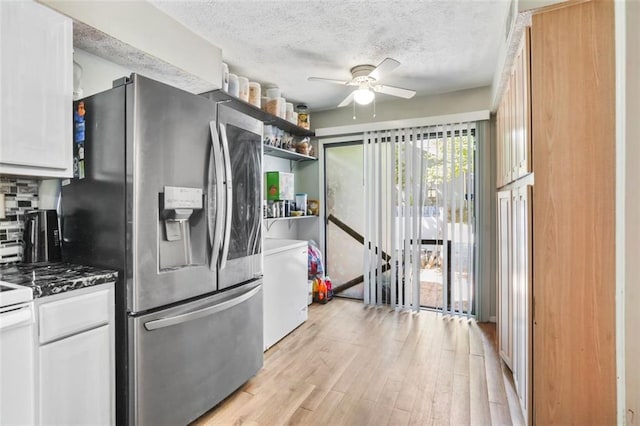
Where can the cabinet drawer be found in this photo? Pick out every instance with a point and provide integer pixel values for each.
(72, 315)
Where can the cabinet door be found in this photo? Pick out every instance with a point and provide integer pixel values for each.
(521, 302)
(505, 297)
(36, 88)
(499, 136)
(521, 109)
(574, 243)
(513, 125)
(505, 164)
(523, 150)
(76, 379)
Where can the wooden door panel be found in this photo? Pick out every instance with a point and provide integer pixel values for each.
(573, 123)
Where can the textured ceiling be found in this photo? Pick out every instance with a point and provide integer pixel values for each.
(442, 45)
(100, 44)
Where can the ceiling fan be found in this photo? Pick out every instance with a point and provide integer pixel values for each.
(366, 78)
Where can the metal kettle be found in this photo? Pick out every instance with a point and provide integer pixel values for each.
(41, 237)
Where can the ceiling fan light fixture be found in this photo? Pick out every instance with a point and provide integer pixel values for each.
(363, 96)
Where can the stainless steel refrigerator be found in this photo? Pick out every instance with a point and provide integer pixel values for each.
(171, 198)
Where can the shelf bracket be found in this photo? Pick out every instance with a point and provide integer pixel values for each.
(268, 224)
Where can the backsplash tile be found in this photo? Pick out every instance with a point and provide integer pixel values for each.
(20, 196)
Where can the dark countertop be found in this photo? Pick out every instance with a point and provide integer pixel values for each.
(55, 278)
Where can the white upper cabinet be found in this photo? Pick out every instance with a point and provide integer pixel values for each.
(513, 121)
(36, 88)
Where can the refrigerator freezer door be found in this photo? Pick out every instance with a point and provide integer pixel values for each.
(241, 253)
(204, 349)
(168, 145)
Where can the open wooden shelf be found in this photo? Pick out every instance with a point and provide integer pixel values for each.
(289, 217)
(285, 153)
(253, 111)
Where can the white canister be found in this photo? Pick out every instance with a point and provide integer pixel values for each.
(243, 84)
(288, 114)
(234, 88)
(225, 77)
(273, 106)
(282, 113)
(273, 92)
(254, 93)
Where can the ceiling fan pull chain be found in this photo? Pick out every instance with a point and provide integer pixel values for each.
(354, 110)
(374, 107)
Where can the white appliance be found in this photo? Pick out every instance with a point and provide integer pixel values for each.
(17, 384)
(284, 288)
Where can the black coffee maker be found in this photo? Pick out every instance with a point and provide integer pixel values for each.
(41, 237)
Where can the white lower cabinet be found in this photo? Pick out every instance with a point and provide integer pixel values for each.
(75, 358)
(522, 291)
(505, 288)
(17, 379)
(75, 378)
(515, 289)
(284, 288)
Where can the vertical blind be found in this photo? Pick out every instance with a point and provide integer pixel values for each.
(419, 218)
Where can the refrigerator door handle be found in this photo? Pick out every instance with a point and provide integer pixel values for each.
(215, 224)
(229, 197)
(210, 310)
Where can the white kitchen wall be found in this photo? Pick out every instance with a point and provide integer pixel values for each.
(97, 76)
(139, 32)
(306, 181)
(97, 73)
(423, 106)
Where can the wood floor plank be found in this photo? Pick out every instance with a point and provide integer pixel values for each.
(480, 412)
(398, 418)
(462, 349)
(352, 410)
(460, 401)
(326, 408)
(356, 365)
(517, 418)
(476, 346)
(429, 353)
(225, 412)
(301, 416)
(500, 415)
(325, 377)
(287, 400)
(441, 408)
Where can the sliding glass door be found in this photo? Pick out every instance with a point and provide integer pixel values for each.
(344, 214)
(400, 210)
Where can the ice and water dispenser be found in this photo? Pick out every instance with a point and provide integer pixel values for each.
(181, 228)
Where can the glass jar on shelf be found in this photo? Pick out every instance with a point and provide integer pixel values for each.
(303, 116)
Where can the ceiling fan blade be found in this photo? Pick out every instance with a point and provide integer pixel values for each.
(394, 91)
(329, 80)
(384, 68)
(346, 100)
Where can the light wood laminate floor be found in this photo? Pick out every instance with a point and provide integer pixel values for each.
(352, 365)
